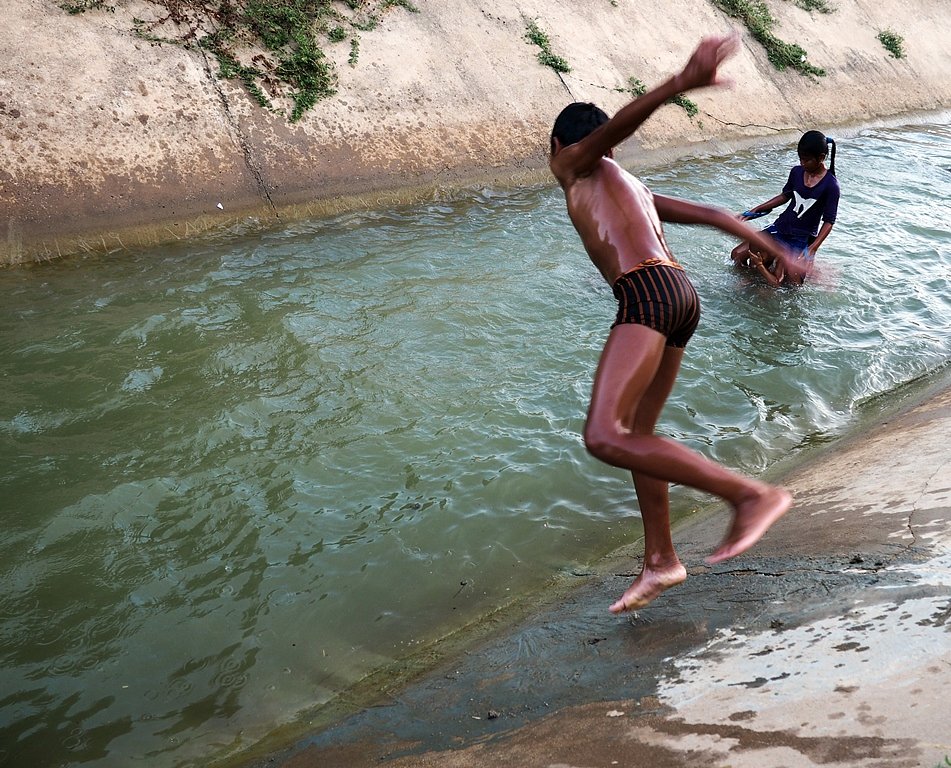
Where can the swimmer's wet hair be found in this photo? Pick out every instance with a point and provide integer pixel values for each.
(575, 122)
(814, 144)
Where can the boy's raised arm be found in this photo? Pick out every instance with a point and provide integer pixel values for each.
(699, 71)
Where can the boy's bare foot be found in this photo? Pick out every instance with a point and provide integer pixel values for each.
(751, 520)
(650, 584)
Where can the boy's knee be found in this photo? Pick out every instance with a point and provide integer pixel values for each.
(600, 442)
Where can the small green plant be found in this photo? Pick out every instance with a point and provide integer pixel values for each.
(815, 5)
(636, 88)
(894, 44)
(230, 68)
(546, 57)
(688, 106)
(759, 21)
(81, 6)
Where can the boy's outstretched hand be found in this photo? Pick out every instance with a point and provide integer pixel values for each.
(701, 69)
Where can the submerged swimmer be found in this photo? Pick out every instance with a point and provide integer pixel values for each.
(619, 222)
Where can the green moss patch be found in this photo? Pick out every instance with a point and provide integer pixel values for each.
(546, 57)
(275, 48)
(760, 22)
(893, 42)
(636, 88)
(815, 5)
(81, 6)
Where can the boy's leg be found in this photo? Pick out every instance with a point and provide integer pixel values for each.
(662, 568)
(629, 363)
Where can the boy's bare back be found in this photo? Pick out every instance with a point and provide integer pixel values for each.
(615, 216)
(614, 213)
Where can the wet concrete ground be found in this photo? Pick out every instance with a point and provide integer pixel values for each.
(828, 644)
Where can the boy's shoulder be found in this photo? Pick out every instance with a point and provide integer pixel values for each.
(568, 173)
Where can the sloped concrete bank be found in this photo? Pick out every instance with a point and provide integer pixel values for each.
(110, 141)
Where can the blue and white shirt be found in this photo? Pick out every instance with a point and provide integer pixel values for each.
(809, 205)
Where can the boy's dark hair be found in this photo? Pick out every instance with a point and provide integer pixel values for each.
(813, 144)
(575, 122)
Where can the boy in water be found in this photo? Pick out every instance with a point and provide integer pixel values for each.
(619, 221)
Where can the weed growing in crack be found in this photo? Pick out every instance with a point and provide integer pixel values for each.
(636, 88)
(893, 42)
(815, 5)
(274, 48)
(760, 22)
(546, 57)
(81, 6)
(687, 105)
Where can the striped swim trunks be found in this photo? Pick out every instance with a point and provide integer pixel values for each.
(657, 293)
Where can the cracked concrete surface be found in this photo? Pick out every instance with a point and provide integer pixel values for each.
(829, 644)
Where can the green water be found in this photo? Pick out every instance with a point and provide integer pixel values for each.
(241, 473)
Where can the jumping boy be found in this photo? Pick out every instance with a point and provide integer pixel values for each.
(619, 221)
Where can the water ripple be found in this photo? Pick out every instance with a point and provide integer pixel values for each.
(243, 472)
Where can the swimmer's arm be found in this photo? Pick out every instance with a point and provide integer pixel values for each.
(766, 207)
(823, 234)
(581, 158)
(676, 211)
